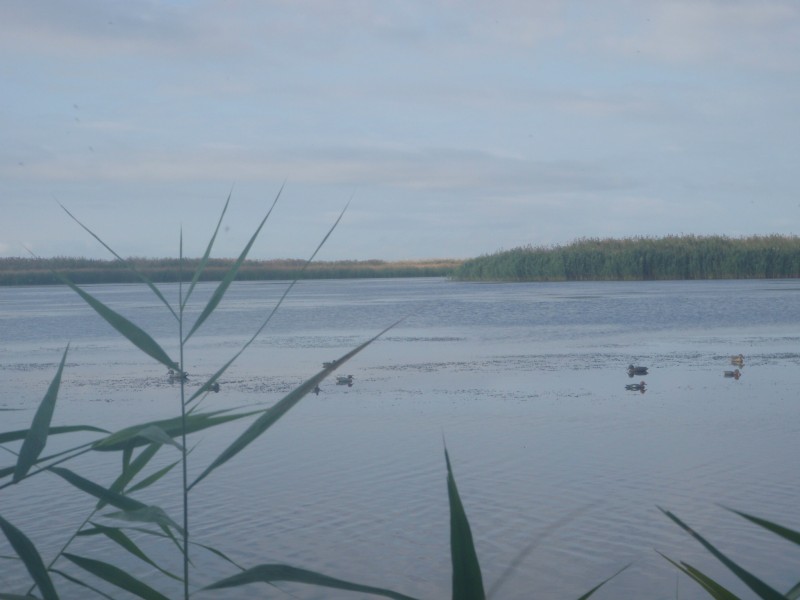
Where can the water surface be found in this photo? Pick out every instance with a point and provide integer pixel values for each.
(525, 383)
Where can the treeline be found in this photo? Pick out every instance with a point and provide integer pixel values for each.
(39, 271)
(642, 258)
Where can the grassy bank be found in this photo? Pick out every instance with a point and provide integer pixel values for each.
(632, 259)
(35, 271)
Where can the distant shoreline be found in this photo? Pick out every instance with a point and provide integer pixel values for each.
(39, 271)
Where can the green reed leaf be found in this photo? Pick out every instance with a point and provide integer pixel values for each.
(467, 578)
(31, 558)
(115, 576)
(219, 553)
(127, 265)
(98, 491)
(156, 434)
(218, 294)
(137, 336)
(714, 589)
(20, 434)
(754, 583)
(280, 408)
(786, 533)
(36, 438)
(146, 514)
(270, 573)
(118, 536)
(130, 436)
(130, 470)
(602, 583)
(204, 261)
(83, 584)
(151, 479)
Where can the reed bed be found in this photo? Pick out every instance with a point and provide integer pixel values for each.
(642, 259)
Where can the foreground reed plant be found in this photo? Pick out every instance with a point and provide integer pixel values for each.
(136, 445)
(717, 590)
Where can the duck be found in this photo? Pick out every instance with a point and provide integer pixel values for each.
(344, 380)
(632, 370)
(735, 373)
(214, 387)
(177, 375)
(737, 360)
(636, 387)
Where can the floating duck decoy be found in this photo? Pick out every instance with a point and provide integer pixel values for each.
(632, 370)
(737, 360)
(636, 387)
(344, 380)
(735, 373)
(177, 375)
(328, 364)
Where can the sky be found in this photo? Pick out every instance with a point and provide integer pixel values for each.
(452, 128)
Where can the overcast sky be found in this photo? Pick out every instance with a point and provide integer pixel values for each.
(457, 128)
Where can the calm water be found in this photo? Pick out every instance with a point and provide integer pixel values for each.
(524, 382)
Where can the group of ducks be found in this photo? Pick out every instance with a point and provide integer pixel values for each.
(340, 379)
(636, 387)
(737, 361)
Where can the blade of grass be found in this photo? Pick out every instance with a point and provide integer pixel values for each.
(207, 385)
(83, 584)
(151, 479)
(218, 294)
(137, 336)
(147, 514)
(127, 265)
(118, 536)
(36, 438)
(786, 533)
(714, 589)
(794, 593)
(130, 470)
(194, 422)
(204, 261)
(275, 412)
(270, 573)
(20, 434)
(602, 583)
(467, 578)
(31, 558)
(754, 583)
(98, 491)
(115, 576)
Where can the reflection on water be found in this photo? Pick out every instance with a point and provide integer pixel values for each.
(526, 383)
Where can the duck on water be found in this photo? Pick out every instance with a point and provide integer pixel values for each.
(633, 370)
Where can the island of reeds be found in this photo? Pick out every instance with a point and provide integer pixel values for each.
(642, 259)
(40, 271)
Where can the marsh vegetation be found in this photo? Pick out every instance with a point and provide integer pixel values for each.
(642, 259)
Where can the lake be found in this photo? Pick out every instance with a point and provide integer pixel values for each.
(560, 467)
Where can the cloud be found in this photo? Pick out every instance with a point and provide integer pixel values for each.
(764, 35)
